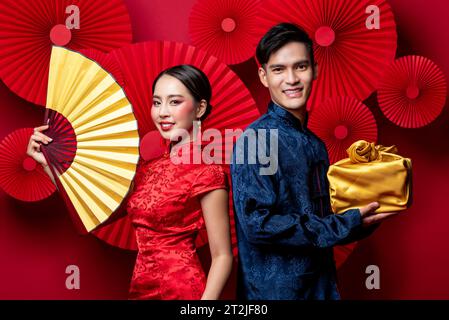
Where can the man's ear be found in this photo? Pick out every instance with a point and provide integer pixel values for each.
(263, 76)
(315, 71)
(202, 107)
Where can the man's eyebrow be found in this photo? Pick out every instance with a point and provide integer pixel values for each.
(274, 66)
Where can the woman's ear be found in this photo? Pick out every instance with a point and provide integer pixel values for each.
(201, 110)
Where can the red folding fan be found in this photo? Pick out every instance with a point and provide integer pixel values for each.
(225, 28)
(341, 121)
(30, 28)
(412, 92)
(351, 52)
(20, 176)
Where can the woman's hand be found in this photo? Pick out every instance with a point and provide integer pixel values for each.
(34, 147)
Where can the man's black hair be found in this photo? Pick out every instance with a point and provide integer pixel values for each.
(280, 35)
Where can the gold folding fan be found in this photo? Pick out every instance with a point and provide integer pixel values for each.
(95, 147)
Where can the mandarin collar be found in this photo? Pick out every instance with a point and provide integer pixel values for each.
(282, 113)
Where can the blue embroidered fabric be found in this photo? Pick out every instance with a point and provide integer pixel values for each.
(285, 227)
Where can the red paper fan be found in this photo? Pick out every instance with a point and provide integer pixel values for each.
(107, 62)
(30, 28)
(341, 121)
(20, 176)
(233, 106)
(351, 57)
(225, 28)
(412, 92)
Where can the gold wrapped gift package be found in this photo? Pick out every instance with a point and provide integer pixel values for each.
(371, 173)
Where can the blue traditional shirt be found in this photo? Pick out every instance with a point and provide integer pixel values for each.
(285, 227)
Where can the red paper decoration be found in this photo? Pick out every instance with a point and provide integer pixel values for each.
(20, 175)
(341, 121)
(30, 28)
(412, 92)
(225, 28)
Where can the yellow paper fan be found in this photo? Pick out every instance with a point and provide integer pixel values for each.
(95, 147)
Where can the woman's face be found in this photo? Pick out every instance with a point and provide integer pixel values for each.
(174, 109)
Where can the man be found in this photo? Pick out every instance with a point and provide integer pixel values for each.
(285, 228)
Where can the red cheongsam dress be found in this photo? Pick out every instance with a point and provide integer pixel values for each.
(165, 210)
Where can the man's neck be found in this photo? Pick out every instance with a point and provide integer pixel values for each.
(300, 114)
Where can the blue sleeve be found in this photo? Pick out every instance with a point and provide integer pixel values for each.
(257, 210)
(359, 233)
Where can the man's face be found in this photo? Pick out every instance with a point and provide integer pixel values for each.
(288, 75)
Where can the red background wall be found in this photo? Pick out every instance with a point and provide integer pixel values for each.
(38, 241)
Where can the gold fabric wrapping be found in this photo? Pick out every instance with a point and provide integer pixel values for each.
(371, 173)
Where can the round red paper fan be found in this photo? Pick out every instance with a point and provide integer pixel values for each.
(412, 92)
(341, 121)
(233, 106)
(21, 176)
(225, 28)
(350, 56)
(30, 28)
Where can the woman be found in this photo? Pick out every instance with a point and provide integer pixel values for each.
(171, 202)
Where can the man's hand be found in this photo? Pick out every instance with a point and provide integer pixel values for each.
(369, 217)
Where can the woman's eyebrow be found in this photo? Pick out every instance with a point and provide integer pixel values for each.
(170, 96)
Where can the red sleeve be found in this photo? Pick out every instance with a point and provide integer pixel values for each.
(212, 177)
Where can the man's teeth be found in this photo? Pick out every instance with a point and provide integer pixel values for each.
(293, 90)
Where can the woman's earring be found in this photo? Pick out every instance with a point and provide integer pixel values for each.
(198, 133)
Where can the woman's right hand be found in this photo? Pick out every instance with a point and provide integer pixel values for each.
(34, 148)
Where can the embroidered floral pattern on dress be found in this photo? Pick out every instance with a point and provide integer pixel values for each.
(165, 210)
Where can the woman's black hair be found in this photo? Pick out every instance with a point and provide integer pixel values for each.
(280, 35)
(195, 81)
